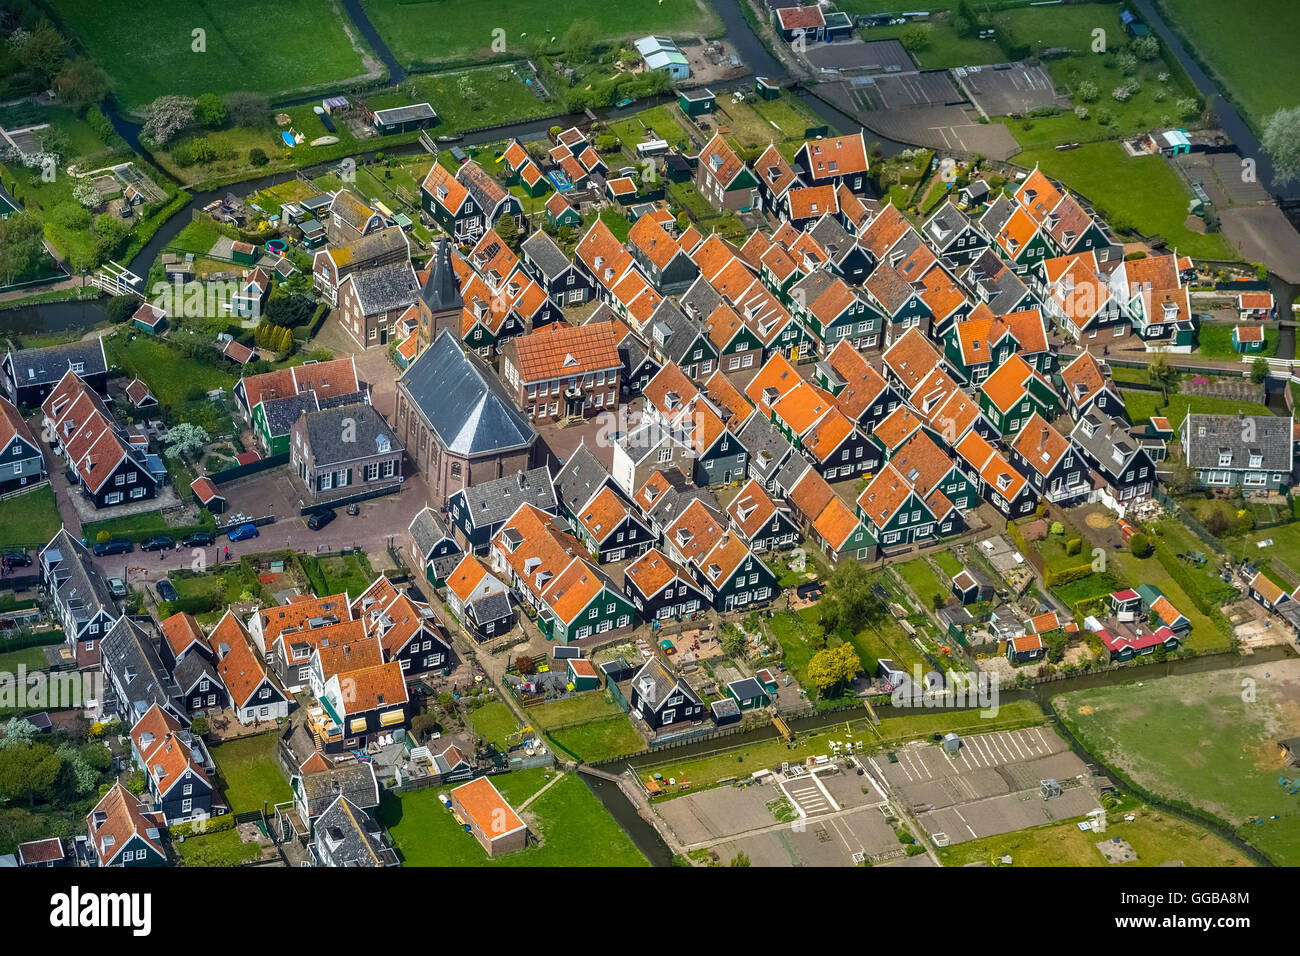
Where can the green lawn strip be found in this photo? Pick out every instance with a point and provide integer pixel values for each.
(925, 584)
(601, 739)
(706, 771)
(574, 826)
(494, 722)
(217, 849)
(591, 705)
(1215, 341)
(1157, 837)
(172, 376)
(32, 658)
(1141, 191)
(29, 520)
(250, 774)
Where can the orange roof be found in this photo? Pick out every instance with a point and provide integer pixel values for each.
(374, 686)
(1006, 385)
(242, 670)
(1255, 300)
(327, 379)
(486, 808)
(728, 398)
(911, 358)
(1041, 445)
(800, 18)
(720, 162)
(515, 154)
(803, 406)
(622, 186)
(778, 374)
(975, 450)
(118, 818)
(653, 240)
(276, 620)
(652, 571)
(835, 155)
(922, 462)
(894, 428)
(885, 495)
(180, 631)
(1037, 195)
(885, 230)
(1250, 333)
(751, 508)
(603, 513)
(863, 383)
(1156, 279)
(561, 350)
(446, 190)
(810, 494)
(812, 202)
(999, 476)
(557, 205)
(836, 523)
(774, 171)
(466, 577)
(344, 658)
(573, 589)
(695, 531)
(1027, 642)
(828, 434)
(1083, 377)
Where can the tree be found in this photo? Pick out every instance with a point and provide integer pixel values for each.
(1281, 140)
(580, 40)
(19, 732)
(1179, 478)
(81, 83)
(247, 109)
(833, 666)
(120, 308)
(210, 110)
(86, 193)
(28, 772)
(733, 641)
(740, 859)
(199, 726)
(1087, 91)
(849, 603)
(1145, 48)
(184, 439)
(1139, 545)
(111, 235)
(167, 116)
(508, 230)
(257, 156)
(525, 665)
(22, 245)
(915, 39)
(43, 50)
(1159, 371)
(1259, 370)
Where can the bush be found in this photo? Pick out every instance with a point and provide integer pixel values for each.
(1139, 545)
(257, 156)
(1074, 546)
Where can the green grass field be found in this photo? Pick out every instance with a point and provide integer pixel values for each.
(572, 825)
(1206, 740)
(494, 722)
(293, 46)
(1141, 405)
(172, 376)
(925, 584)
(29, 520)
(592, 705)
(600, 740)
(1254, 59)
(1156, 837)
(443, 31)
(1142, 190)
(217, 849)
(1215, 341)
(249, 774)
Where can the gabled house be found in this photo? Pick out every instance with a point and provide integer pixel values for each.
(564, 284)
(175, 765)
(1157, 303)
(724, 179)
(574, 599)
(478, 512)
(833, 160)
(661, 699)
(134, 676)
(272, 401)
(661, 589)
(928, 468)
(1000, 484)
(1122, 460)
(1013, 393)
(610, 528)
(31, 374)
(433, 545)
(758, 519)
(479, 599)
(952, 235)
(347, 836)
(123, 833)
(1250, 452)
(563, 372)
(721, 563)
(79, 596)
(775, 178)
(465, 204)
(407, 630)
(371, 301)
(387, 246)
(664, 262)
(1056, 471)
(21, 462)
(1014, 233)
(860, 392)
(894, 513)
(255, 693)
(1086, 385)
(829, 524)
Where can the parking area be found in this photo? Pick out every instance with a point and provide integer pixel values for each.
(866, 56)
(991, 785)
(843, 820)
(1221, 176)
(1007, 88)
(903, 91)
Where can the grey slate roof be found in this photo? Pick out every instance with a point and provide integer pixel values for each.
(127, 651)
(832, 237)
(355, 781)
(677, 498)
(767, 448)
(191, 669)
(496, 500)
(1206, 437)
(580, 478)
(78, 581)
(790, 473)
(702, 298)
(945, 225)
(545, 254)
(385, 288)
(427, 529)
(997, 215)
(997, 284)
(673, 331)
(441, 290)
(377, 245)
(347, 836)
(654, 683)
(348, 432)
(463, 402)
(1110, 445)
(46, 366)
(493, 607)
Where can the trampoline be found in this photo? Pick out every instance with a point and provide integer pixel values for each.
(276, 246)
(559, 180)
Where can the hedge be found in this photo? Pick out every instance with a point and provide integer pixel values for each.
(203, 827)
(1067, 576)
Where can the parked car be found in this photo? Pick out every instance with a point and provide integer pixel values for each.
(244, 532)
(113, 546)
(354, 508)
(320, 519)
(198, 539)
(159, 542)
(167, 591)
(18, 559)
(117, 587)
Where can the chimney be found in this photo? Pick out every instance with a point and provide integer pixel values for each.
(1042, 438)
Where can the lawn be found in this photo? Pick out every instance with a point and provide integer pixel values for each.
(710, 769)
(666, 121)
(174, 377)
(29, 520)
(600, 739)
(1156, 837)
(1142, 192)
(249, 774)
(1215, 341)
(580, 708)
(494, 722)
(217, 849)
(1260, 73)
(573, 825)
(147, 523)
(334, 575)
(1205, 740)
(430, 32)
(1142, 405)
(469, 98)
(283, 48)
(32, 658)
(948, 563)
(925, 584)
